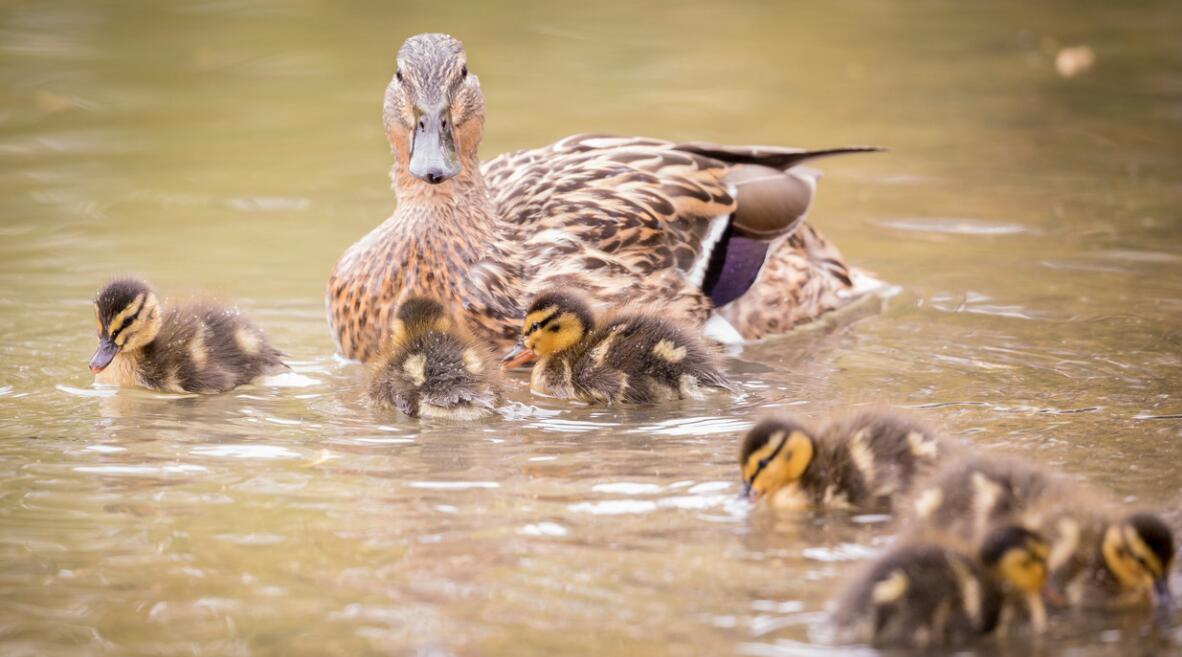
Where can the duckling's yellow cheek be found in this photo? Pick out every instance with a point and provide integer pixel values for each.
(773, 477)
(1028, 575)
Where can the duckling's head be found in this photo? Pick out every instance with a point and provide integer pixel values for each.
(775, 453)
(1138, 552)
(434, 110)
(419, 315)
(1019, 556)
(128, 316)
(554, 322)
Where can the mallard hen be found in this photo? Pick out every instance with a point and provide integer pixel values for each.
(705, 231)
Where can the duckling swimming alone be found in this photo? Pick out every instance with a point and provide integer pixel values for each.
(433, 367)
(931, 592)
(865, 461)
(198, 347)
(633, 358)
(1101, 556)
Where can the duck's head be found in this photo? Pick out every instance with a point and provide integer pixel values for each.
(128, 316)
(1018, 556)
(1138, 552)
(775, 453)
(419, 315)
(554, 322)
(434, 110)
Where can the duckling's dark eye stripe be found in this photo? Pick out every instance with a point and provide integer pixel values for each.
(769, 458)
(127, 322)
(537, 326)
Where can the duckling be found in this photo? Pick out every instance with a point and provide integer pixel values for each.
(199, 347)
(931, 591)
(864, 461)
(433, 368)
(1101, 556)
(632, 358)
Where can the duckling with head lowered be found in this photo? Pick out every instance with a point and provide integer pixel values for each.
(433, 368)
(1101, 555)
(865, 461)
(199, 347)
(632, 358)
(931, 591)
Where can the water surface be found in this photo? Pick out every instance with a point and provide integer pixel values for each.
(1030, 220)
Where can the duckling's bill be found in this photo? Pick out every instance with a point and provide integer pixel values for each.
(518, 356)
(103, 356)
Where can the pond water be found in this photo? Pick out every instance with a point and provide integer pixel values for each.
(1031, 221)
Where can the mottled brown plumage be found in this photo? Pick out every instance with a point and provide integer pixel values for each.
(627, 220)
(629, 358)
(433, 368)
(199, 347)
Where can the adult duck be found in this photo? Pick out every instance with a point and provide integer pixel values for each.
(699, 232)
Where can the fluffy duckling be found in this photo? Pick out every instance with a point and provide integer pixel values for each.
(1101, 556)
(865, 461)
(198, 347)
(433, 368)
(631, 358)
(932, 592)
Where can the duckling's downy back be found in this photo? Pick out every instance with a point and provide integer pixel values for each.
(433, 368)
(204, 347)
(657, 358)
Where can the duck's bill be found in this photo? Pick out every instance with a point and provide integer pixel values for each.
(433, 150)
(103, 357)
(518, 356)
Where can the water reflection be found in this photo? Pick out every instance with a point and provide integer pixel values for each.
(234, 147)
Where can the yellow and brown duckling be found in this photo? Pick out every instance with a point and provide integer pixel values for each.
(433, 368)
(199, 347)
(931, 591)
(1102, 556)
(866, 461)
(631, 358)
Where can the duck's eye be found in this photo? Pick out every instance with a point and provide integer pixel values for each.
(764, 461)
(398, 74)
(464, 72)
(533, 327)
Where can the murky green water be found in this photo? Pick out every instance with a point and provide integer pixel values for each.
(1032, 222)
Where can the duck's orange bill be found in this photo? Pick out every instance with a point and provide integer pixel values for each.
(518, 356)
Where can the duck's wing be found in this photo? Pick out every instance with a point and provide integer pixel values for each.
(655, 204)
(638, 200)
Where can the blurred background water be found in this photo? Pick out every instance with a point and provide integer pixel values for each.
(1031, 219)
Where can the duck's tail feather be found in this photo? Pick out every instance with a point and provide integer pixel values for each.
(775, 157)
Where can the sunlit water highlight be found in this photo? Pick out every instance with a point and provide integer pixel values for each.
(1031, 223)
